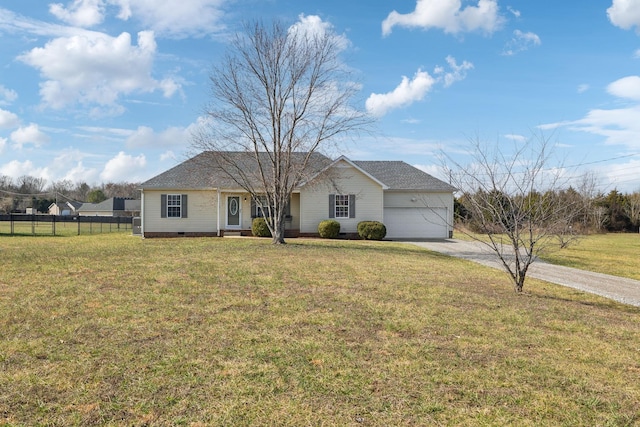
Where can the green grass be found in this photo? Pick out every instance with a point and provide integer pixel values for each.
(617, 254)
(116, 330)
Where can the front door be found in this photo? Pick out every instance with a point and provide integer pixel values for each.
(233, 212)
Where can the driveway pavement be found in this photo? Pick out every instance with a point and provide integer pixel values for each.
(620, 289)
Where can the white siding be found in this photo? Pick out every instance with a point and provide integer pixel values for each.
(95, 213)
(314, 199)
(201, 213)
(419, 215)
(416, 223)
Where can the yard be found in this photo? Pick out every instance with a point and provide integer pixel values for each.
(115, 330)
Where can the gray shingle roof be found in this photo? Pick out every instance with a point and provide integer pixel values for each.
(190, 174)
(398, 175)
(110, 205)
(207, 170)
(203, 172)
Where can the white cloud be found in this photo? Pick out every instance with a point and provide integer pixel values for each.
(410, 91)
(7, 95)
(171, 137)
(618, 126)
(449, 16)
(8, 119)
(175, 18)
(313, 25)
(29, 135)
(168, 18)
(17, 169)
(513, 11)
(516, 138)
(433, 170)
(80, 173)
(124, 167)
(622, 176)
(407, 92)
(625, 14)
(95, 69)
(626, 87)
(14, 23)
(457, 73)
(168, 155)
(583, 88)
(520, 42)
(68, 165)
(82, 13)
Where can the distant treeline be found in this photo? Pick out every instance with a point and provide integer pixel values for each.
(592, 213)
(16, 195)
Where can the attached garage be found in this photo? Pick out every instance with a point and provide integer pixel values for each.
(416, 223)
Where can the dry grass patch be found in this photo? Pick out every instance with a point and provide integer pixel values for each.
(115, 330)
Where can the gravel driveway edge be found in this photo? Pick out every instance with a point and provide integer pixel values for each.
(626, 291)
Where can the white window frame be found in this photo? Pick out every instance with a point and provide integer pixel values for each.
(341, 208)
(257, 210)
(174, 206)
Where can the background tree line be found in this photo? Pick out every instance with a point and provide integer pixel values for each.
(16, 195)
(586, 212)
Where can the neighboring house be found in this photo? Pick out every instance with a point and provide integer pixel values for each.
(196, 198)
(64, 208)
(115, 206)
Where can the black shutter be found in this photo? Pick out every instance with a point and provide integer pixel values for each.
(184, 206)
(352, 205)
(254, 210)
(163, 206)
(332, 205)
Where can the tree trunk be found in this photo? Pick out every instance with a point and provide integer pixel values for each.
(278, 238)
(278, 232)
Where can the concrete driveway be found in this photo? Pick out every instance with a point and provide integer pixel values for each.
(620, 289)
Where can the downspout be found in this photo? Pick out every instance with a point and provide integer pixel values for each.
(218, 213)
(142, 213)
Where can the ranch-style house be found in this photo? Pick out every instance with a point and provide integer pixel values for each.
(198, 198)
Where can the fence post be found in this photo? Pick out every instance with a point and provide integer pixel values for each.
(53, 224)
(78, 219)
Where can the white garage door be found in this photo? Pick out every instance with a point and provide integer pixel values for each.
(416, 223)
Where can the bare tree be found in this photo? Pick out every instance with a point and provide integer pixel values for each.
(632, 207)
(81, 191)
(31, 185)
(280, 95)
(514, 202)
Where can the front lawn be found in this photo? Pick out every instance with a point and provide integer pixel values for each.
(116, 330)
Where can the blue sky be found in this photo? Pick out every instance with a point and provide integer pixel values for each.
(110, 90)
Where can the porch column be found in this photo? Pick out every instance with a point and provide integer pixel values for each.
(218, 214)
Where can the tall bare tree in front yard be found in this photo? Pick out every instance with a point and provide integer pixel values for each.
(280, 94)
(514, 202)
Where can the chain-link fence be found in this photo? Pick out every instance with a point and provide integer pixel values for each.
(52, 225)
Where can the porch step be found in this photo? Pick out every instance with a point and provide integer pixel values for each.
(232, 234)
